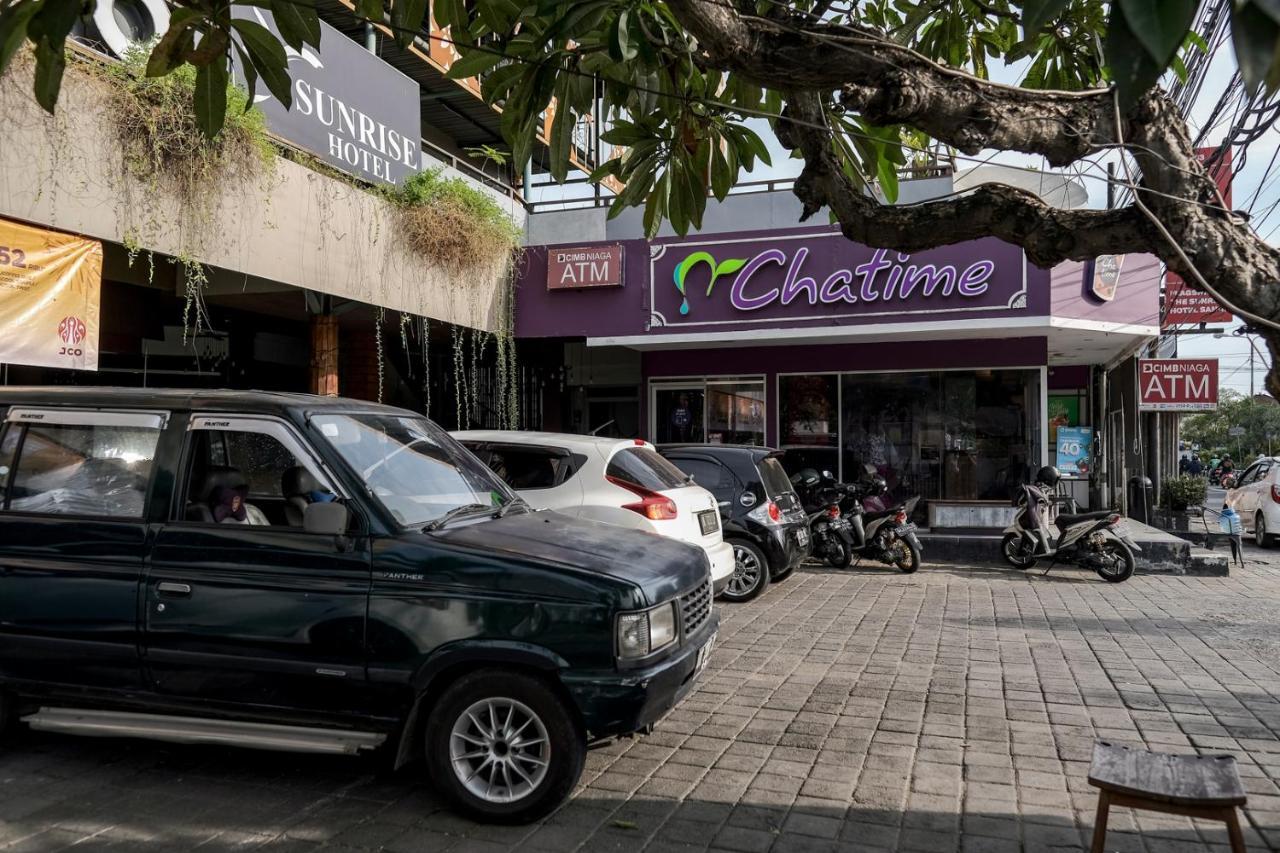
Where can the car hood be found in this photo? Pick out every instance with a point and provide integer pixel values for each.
(660, 566)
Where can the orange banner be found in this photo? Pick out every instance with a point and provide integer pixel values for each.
(50, 297)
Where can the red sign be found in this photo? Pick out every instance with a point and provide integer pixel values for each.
(1185, 304)
(596, 266)
(1177, 384)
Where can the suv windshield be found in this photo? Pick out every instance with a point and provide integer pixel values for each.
(412, 466)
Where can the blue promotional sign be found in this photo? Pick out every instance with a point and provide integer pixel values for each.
(1075, 448)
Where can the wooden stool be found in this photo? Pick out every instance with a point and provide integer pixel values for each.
(1205, 786)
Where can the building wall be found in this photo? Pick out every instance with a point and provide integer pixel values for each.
(296, 226)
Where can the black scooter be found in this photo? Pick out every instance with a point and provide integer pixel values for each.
(828, 528)
(885, 534)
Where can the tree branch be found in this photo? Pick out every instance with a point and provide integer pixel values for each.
(1048, 234)
(889, 83)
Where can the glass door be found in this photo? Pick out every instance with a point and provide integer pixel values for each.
(679, 413)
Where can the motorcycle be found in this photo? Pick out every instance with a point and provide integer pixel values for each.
(1099, 541)
(828, 529)
(881, 532)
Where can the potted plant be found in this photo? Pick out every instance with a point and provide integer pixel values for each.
(1177, 496)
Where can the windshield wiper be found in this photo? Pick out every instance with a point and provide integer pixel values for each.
(465, 509)
(508, 506)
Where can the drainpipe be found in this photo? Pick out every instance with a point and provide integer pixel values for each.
(370, 38)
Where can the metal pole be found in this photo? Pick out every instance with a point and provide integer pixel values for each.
(1111, 184)
(370, 38)
(1250, 367)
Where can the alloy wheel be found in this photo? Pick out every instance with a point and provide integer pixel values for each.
(499, 750)
(746, 571)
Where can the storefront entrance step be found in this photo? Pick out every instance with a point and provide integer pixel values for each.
(1162, 553)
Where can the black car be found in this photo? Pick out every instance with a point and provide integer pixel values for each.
(762, 515)
(316, 574)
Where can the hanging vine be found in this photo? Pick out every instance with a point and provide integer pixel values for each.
(377, 335)
(459, 395)
(426, 366)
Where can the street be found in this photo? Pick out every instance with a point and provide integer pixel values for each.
(950, 710)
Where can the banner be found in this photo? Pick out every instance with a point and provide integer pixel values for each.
(50, 287)
(1075, 447)
(1184, 303)
(1177, 384)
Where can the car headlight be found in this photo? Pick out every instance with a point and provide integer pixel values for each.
(646, 631)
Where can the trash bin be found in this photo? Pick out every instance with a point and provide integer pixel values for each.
(1141, 491)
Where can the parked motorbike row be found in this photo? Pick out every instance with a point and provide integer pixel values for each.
(848, 520)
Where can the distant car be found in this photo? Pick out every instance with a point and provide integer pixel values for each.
(1256, 497)
(616, 481)
(763, 518)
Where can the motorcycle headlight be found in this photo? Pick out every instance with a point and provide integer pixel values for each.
(646, 631)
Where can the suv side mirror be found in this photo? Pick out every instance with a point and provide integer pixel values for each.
(330, 519)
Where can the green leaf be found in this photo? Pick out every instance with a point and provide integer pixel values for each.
(13, 28)
(172, 49)
(1254, 34)
(1037, 13)
(406, 20)
(298, 22)
(250, 76)
(370, 10)
(1160, 25)
(1133, 70)
(53, 20)
(267, 55)
(561, 141)
(721, 173)
(51, 62)
(655, 207)
(623, 44)
(473, 63)
(211, 97)
(450, 13)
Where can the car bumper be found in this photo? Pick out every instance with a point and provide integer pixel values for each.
(784, 549)
(722, 564)
(619, 703)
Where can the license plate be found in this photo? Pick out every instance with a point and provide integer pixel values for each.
(704, 655)
(802, 536)
(709, 521)
(905, 529)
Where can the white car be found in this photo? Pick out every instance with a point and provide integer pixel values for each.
(616, 481)
(1256, 497)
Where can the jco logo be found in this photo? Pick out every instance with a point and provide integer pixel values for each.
(72, 330)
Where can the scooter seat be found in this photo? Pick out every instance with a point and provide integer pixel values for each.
(1065, 520)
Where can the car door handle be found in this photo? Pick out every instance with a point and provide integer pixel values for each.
(173, 589)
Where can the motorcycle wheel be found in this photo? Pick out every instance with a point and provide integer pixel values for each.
(908, 557)
(1120, 562)
(839, 554)
(1014, 549)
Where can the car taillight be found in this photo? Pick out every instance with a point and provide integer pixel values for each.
(1115, 519)
(652, 505)
(1275, 492)
(900, 517)
(775, 514)
(833, 511)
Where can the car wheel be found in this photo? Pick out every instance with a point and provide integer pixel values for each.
(503, 747)
(750, 572)
(774, 577)
(1260, 533)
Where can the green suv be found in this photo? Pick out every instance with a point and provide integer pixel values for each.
(316, 574)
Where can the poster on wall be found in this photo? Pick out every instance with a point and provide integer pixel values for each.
(1064, 411)
(50, 292)
(1075, 447)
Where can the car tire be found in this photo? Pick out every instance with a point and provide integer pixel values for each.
(478, 737)
(750, 572)
(787, 572)
(1261, 535)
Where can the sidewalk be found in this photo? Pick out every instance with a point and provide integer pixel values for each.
(949, 711)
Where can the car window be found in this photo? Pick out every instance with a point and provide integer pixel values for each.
(644, 467)
(1247, 477)
(524, 468)
(775, 479)
(1261, 473)
(79, 469)
(709, 474)
(261, 458)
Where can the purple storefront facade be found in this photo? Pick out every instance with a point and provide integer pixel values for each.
(948, 370)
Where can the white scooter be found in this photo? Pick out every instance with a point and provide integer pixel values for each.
(1094, 540)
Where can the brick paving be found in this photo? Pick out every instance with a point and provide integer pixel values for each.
(951, 710)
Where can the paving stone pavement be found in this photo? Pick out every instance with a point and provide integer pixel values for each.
(863, 710)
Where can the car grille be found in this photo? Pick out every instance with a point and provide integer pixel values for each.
(695, 608)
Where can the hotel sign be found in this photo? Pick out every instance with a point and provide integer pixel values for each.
(1177, 384)
(588, 267)
(827, 277)
(350, 109)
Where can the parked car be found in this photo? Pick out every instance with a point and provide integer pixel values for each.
(764, 521)
(616, 481)
(1256, 498)
(393, 591)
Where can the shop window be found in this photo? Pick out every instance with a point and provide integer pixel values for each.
(679, 415)
(809, 419)
(80, 469)
(712, 411)
(735, 413)
(960, 435)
